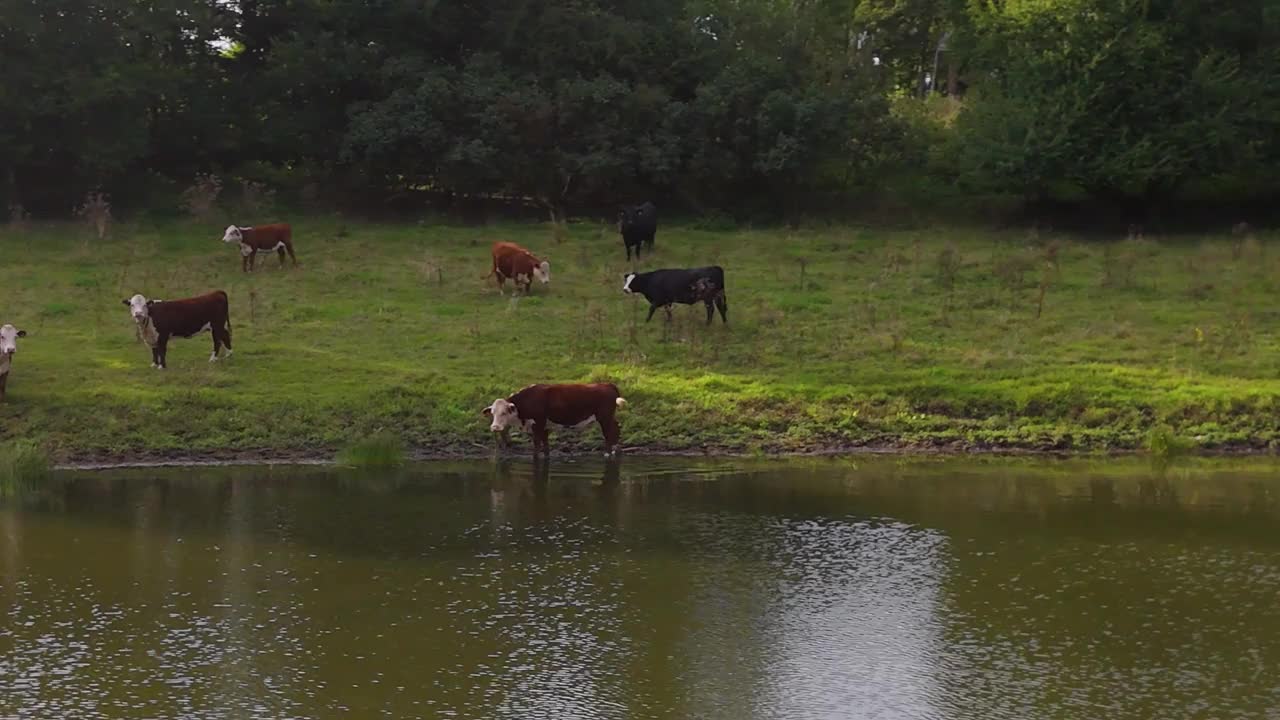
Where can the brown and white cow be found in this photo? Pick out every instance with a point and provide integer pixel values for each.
(158, 320)
(277, 238)
(8, 347)
(510, 261)
(570, 405)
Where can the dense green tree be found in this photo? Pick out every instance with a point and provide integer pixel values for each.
(755, 105)
(1119, 99)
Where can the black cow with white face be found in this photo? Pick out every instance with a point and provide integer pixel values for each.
(663, 288)
(638, 224)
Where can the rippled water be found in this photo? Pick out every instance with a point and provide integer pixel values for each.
(668, 589)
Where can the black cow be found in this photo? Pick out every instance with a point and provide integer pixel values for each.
(638, 224)
(662, 288)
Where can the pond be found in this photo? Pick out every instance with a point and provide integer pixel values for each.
(659, 588)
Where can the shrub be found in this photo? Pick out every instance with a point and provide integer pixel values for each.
(256, 197)
(382, 449)
(22, 462)
(1163, 443)
(18, 216)
(201, 198)
(96, 210)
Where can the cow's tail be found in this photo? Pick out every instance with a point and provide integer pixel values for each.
(228, 315)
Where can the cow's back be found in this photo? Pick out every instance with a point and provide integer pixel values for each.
(188, 316)
(572, 404)
(273, 232)
(714, 273)
(566, 404)
(511, 260)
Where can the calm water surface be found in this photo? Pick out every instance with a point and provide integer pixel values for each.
(649, 589)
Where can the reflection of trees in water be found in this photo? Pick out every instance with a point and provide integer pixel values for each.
(1154, 605)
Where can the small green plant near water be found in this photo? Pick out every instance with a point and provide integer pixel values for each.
(22, 463)
(382, 449)
(1164, 444)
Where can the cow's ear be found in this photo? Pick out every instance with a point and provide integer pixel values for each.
(487, 412)
(152, 302)
(22, 333)
(124, 302)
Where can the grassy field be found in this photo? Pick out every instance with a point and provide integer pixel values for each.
(837, 338)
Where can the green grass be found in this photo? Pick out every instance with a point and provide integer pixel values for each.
(22, 462)
(379, 450)
(890, 339)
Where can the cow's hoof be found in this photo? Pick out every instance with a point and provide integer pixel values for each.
(155, 366)
(228, 355)
(213, 358)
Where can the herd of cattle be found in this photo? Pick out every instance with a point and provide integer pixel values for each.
(530, 409)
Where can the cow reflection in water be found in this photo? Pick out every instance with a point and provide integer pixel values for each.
(517, 484)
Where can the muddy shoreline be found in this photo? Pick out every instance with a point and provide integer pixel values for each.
(219, 458)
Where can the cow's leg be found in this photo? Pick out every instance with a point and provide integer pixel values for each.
(667, 308)
(711, 310)
(280, 253)
(612, 433)
(253, 260)
(162, 351)
(244, 263)
(4, 380)
(540, 439)
(652, 310)
(226, 337)
(627, 245)
(216, 332)
(722, 303)
(155, 357)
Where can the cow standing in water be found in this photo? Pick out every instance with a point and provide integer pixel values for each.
(510, 261)
(8, 347)
(277, 238)
(158, 320)
(570, 405)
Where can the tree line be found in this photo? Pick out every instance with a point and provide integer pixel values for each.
(777, 106)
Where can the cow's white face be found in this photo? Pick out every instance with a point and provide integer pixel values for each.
(9, 339)
(504, 415)
(232, 235)
(139, 308)
(626, 282)
(542, 272)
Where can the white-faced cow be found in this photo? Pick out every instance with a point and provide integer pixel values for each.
(277, 238)
(638, 224)
(570, 405)
(158, 320)
(662, 288)
(510, 261)
(8, 347)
